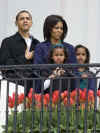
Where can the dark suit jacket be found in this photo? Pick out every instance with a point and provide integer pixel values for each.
(12, 52)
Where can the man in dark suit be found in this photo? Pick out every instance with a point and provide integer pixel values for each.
(18, 49)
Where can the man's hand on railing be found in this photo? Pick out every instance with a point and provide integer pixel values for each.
(28, 54)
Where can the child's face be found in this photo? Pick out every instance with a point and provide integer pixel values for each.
(81, 55)
(58, 56)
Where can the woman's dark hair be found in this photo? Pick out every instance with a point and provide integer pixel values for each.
(50, 22)
(87, 52)
(50, 60)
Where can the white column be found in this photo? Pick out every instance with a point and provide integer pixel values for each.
(83, 18)
(94, 29)
(75, 13)
(3, 18)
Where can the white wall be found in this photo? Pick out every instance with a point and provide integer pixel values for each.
(39, 10)
(94, 29)
(3, 18)
(82, 17)
(75, 13)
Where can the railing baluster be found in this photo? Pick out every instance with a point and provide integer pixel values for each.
(32, 128)
(59, 104)
(50, 106)
(95, 108)
(15, 108)
(86, 110)
(7, 96)
(68, 109)
(24, 111)
(41, 111)
(77, 105)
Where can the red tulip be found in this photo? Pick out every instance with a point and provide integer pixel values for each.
(13, 97)
(72, 102)
(47, 97)
(55, 99)
(31, 90)
(85, 90)
(98, 93)
(65, 101)
(11, 105)
(45, 102)
(90, 96)
(30, 96)
(20, 98)
(62, 95)
(80, 92)
(90, 93)
(56, 93)
(74, 94)
(9, 99)
(83, 96)
(38, 98)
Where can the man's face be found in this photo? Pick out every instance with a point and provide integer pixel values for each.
(24, 22)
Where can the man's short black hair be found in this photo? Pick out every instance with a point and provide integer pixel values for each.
(23, 11)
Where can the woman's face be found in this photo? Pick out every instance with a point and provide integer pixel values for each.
(81, 55)
(57, 31)
(58, 56)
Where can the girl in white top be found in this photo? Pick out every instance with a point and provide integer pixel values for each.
(58, 55)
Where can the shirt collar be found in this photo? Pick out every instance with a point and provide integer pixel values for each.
(19, 37)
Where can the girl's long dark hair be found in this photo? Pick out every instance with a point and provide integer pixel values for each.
(87, 52)
(87, 61)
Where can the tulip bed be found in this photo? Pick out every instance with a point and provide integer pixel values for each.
(59, 112)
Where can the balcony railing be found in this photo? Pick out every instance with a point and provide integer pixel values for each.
(64, 110)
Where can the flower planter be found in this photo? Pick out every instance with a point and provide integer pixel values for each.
(66, 112)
